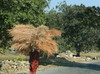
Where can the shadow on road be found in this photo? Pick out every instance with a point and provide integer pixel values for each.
(66, 63)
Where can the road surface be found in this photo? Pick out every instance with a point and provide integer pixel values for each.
(75, 68)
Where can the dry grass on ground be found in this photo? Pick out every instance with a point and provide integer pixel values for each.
(13, 57)
(84, 55)
(22, 57)
(91, 54)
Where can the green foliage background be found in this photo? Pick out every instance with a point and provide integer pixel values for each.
(19, 12)
(80, 25)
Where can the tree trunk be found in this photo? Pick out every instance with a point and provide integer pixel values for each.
(34, 61)
(77, 53)
(78, 49)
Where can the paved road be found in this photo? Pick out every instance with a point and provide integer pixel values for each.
(76, 68)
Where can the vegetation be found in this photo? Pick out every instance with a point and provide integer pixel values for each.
(27, 39)
(17, 57)
(19, 12)
(80, 25)
(31, 40)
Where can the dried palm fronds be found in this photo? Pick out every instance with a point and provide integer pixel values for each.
(26, 38)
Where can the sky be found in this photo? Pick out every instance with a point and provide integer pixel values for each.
(96, 3)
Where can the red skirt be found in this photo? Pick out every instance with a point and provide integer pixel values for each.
(34, 61)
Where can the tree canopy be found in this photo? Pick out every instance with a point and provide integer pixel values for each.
(20, 12)
(80, 27)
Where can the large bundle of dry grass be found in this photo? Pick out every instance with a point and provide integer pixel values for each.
(26, 39)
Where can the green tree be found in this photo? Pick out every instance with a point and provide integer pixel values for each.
(54, 20)
(20, 12)
(79, 26)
